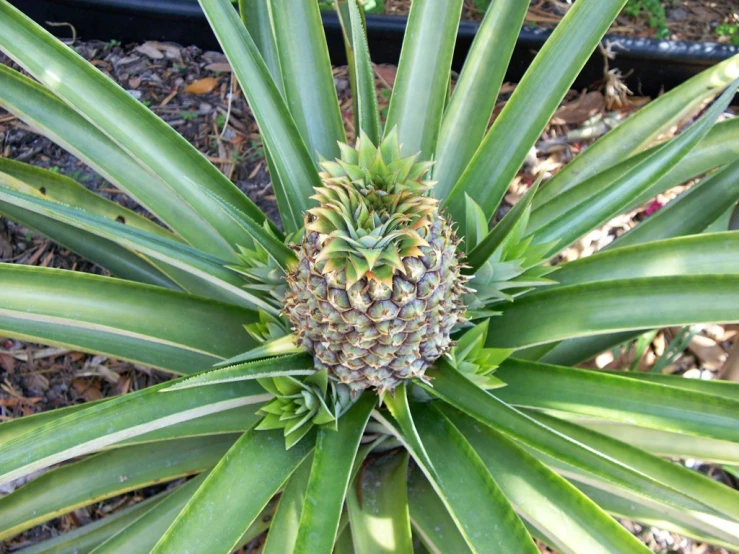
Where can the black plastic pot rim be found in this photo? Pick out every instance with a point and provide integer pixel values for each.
(704, 53)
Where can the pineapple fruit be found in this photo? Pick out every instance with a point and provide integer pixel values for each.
(378, 286)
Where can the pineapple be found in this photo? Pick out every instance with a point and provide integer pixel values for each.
(377, 289)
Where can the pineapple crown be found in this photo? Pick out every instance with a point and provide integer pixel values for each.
(373, 210)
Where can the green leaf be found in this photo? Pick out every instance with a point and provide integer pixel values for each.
(142, 534)
(268, 240)
(485, 249)
(705, 502)
(652, 516)
(307, 76)
(642, 128)
(20, 425)
(341, 7)
(153, 143)
(115, 420)
(477, 224)
(295, 169)
(298, 364)
(49, 115)
(724, 222)
(401, 412)
(119, 261)
(378, 507)
(242, 483)
(721, 499)
(621, 305)
(720, 146)
(558, 510)
(664, 443)
(611, 396)
(481, 510)
(476, 91)
(692, 255)
(120, 319)
(193, 269)
(430, 519)
(284, 527)
(235, 420)
(527, 112)
(577, 350)
(276, 347)
(422, 82)
(104, 476)
(690, 213)
(258, 21)
(52, 186)
(329, 478)
(46, 184)
(344, 544)
(611, 470)
(714, 387)
(366, 93)
(619, 194)
(84, 539)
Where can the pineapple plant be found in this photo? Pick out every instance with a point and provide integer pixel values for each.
(391, 368)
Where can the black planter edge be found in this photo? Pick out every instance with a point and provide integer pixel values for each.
(650, 65)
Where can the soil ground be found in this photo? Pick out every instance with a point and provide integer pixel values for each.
(190, 89)
(695, 20)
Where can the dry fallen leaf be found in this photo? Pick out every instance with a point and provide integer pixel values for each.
(730, 331)
(711, 355)
(88, 390)
(158, 50)
(386, 73)
(150, 50)
(202, 86)
(221, 67)
(36, 382)
(579, 111)
(10, 402)
(123, 386)
(6, 250)
(7, 363)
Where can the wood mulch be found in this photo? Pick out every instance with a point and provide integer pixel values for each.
(193, 91)
(693, 20)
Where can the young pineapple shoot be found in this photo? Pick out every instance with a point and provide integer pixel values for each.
(377, 289)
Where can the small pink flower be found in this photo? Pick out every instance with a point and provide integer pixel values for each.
(652, 207)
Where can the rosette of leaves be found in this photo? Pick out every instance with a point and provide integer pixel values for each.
(299, 405)
(487, 435)
(470, 357)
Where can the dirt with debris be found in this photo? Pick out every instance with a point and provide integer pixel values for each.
(693, 20)
(193, 91)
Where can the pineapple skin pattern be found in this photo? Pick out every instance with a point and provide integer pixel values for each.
(371, 320)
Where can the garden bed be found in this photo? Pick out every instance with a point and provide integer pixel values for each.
(189, 88)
